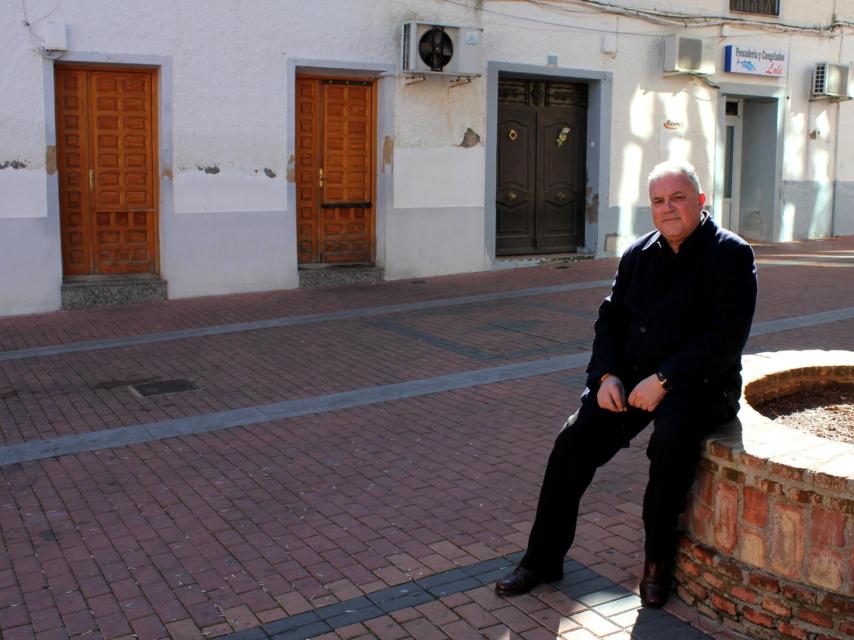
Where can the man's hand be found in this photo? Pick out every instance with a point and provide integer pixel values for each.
(647, 394)
(611, 395)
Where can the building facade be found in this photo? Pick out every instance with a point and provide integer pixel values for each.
(222, 146)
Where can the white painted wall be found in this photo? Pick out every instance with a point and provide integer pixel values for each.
(452, 232)
(250, 251)
(227, 219)
(438, 177)
(24, 192)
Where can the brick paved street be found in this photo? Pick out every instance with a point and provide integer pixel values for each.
(355, 462)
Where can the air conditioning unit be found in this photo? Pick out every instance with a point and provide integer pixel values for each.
(832, 81)
(441, 48)
(685, 55)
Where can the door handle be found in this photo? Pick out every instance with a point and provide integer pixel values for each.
(320, 177)
(91, 179)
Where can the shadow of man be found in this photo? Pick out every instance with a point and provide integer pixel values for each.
(655, 624)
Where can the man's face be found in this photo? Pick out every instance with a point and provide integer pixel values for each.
(676, 207)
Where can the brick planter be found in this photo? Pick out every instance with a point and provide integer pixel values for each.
(769, 541)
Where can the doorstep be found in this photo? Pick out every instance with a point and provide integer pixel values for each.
(557, 260)
(325, 275)
(84, 292)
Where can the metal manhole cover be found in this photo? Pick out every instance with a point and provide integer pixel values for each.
(163, 387)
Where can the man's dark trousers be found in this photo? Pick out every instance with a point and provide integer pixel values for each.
(592, 438)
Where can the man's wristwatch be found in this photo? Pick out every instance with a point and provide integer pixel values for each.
(665, 384)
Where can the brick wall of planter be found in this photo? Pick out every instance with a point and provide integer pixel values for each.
(757, 603)
(769, 540)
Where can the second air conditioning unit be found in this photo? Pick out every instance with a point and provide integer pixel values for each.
(440, 48)
(832, 81)
(684, 55)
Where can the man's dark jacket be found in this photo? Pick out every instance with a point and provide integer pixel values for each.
(685, 314)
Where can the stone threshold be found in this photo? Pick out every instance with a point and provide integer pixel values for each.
(555, 260)
(327, 275)
(85, 292)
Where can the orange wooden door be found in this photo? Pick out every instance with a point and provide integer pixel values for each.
(107, 161)
(335, 170)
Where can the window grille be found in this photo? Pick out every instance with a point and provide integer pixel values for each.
(766, 7)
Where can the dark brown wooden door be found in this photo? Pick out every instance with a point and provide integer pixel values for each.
(335, 170)
(540, 196)
(107, 161)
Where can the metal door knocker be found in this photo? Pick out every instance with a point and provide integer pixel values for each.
(513, 134)
(511, 196)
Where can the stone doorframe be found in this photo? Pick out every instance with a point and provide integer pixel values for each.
(600, 87)
(738, 90)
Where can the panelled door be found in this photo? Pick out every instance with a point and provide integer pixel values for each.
(107, 161)
(540, 197)
(335, 161)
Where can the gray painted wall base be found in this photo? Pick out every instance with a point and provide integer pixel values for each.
(113, 291)
(807, 211)
(843, 209)
(312, 277)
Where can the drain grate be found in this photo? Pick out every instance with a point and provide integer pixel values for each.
(113, 384)
(164, 387)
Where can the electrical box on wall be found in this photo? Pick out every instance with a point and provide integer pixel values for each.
(441, 49)
(55, 36)
(832, 81)
(685, 55)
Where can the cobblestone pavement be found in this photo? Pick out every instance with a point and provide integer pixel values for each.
(356, 462)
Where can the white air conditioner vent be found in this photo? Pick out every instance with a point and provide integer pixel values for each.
(832, 81)
(440, 48)
(685, 55)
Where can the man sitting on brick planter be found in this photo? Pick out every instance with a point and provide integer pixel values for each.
(667, 349)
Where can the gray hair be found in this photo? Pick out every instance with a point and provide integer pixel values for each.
(670, 168)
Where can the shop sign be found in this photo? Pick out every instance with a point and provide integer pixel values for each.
(755, 61)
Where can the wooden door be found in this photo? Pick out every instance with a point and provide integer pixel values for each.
(107, 161)
(335, 162)
(516, 204)
(540, 198)
(561, 173)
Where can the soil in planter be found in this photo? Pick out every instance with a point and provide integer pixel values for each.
(826, 411)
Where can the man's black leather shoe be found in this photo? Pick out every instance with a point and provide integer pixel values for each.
(655, 584)
(522, 580)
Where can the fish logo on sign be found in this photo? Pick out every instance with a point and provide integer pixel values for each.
(747, 64)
